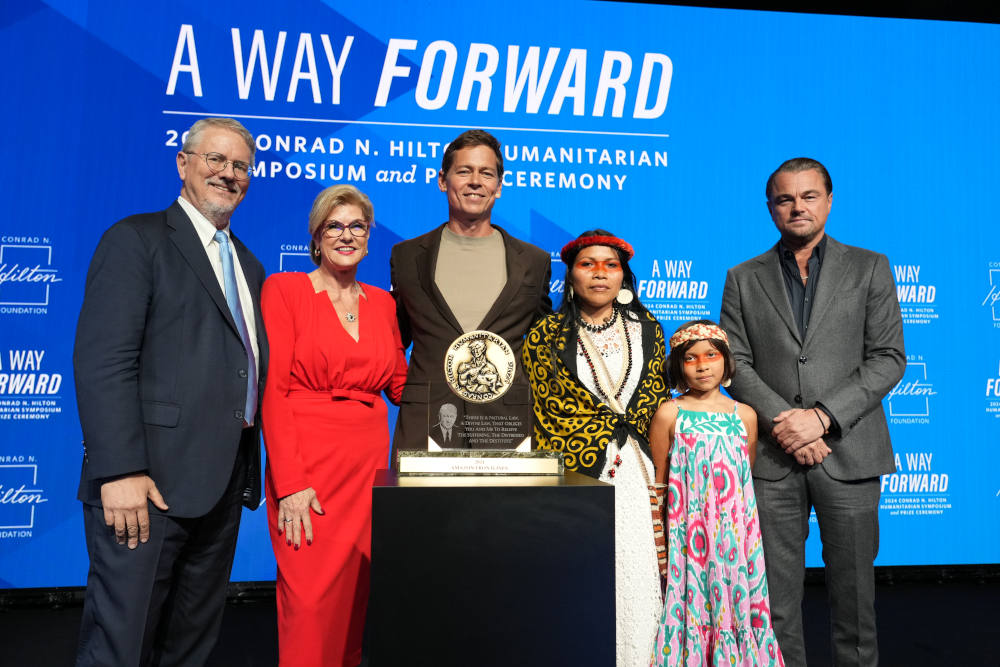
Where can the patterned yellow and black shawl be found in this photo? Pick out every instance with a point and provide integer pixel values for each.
(570, 419)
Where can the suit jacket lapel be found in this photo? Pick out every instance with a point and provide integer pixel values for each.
(516, 270)
(426, 259)
(773, 285)
(830, 274)
(186, 239)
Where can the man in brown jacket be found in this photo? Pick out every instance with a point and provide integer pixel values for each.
(465, 275)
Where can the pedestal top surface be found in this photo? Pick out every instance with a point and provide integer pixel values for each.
(389, 479)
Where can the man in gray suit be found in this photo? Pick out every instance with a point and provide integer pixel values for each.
(816, 331)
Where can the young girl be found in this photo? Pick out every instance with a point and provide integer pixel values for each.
(716, 609)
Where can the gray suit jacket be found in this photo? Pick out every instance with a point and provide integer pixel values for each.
(427, 321)
(851, 357)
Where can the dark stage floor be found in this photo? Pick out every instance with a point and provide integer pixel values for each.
(955, 624)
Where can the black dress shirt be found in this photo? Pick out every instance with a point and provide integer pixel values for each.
(801, 295)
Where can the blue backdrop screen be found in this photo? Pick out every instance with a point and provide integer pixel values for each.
(659, 123)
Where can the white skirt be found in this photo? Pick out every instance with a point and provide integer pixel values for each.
(637, 576)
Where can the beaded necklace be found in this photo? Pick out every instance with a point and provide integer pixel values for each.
(598, 328)
(598, 369)
(602, 378)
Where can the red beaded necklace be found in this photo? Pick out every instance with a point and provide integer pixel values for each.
(590, 361)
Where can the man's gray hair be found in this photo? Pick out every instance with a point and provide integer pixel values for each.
(194, 134)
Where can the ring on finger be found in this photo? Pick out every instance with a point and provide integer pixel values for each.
(289, 520)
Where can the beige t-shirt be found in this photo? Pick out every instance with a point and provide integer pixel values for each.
(471, 272)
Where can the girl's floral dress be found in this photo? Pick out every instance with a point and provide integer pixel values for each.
(716, 609)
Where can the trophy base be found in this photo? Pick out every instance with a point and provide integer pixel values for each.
(432, 446)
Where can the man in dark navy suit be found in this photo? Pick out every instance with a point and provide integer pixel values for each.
(170, 359)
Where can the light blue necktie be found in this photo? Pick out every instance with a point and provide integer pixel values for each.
(233, 299)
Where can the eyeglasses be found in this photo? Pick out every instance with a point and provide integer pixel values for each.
(218, 162)
(335, 230)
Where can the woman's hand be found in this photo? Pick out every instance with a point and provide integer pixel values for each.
(293, 516)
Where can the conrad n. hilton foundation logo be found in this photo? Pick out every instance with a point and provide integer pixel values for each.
(479, 366)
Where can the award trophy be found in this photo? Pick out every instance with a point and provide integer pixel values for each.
(477, 425)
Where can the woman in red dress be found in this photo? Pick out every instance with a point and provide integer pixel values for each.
(335, 346)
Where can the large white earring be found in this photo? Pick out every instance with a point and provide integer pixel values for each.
(571, 294)
(625, 296)
(727, 382)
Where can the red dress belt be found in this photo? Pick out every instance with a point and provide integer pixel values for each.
(360, 395)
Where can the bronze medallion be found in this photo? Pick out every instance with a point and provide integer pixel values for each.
(479, 366)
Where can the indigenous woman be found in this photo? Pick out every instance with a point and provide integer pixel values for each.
(335, 346)
(596, 370)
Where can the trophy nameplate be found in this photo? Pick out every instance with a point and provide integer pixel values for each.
(479, 462)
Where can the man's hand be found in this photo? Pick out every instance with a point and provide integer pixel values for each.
(813, 453)
(125, 507)
(797, 427)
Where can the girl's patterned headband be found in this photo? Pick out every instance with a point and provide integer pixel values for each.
(699, 332)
